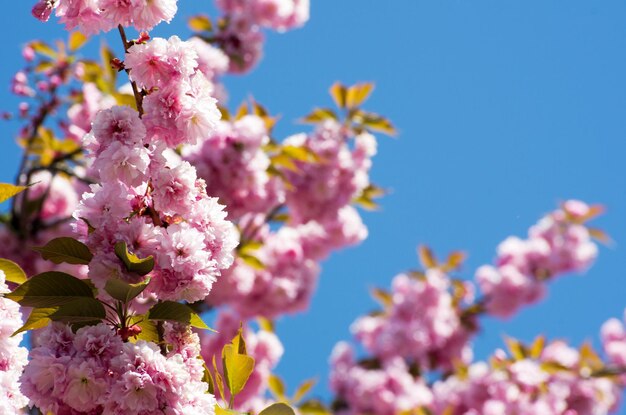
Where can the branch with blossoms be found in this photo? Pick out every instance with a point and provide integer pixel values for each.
(150, 202)
(144, 237)
(419, 345)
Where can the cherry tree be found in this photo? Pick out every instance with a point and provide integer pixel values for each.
(149, 203)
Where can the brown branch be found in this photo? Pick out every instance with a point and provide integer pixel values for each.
(138, 95)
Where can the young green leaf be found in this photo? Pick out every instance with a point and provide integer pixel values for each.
(8, 190)
(173, 311)
(278, 409)
(50, 289)
(516, 348)
(219, 380)
(223, 411)
(80, 310)
(318, 115)
(123, 291)
(77, 39)
(13, 272)
(43, 48)
(313, 407)
(132, 262)
(237, 368)
(277, 387)
(383, 297)
(65, 249)
(357, 94)
(338, 92)
(427, 258)
(200, 23)
(148, 328)
(206, 377)
(303, 389)
(38, 319)
(251, 261)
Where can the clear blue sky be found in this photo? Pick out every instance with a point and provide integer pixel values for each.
(504, 109)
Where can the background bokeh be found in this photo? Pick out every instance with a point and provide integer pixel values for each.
(504, 110)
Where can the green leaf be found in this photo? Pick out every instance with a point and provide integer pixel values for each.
(319, 114)
(125, 99)
(338, 92)
(132, 262)
(50, 289)
(200, 23)
(516, 348)
(383, 297)
(251, 261)
(300, 153)
(314, 407)
(367, 196)
(278, 409)
(123, 291)
(206, 377)
(223, 411)
(149, 331)
(427, 258)
(378, 123)
(303, 389)
(173, 311)
(265, 324)
(81, 310)
(38, 319)
(76, 40)
(219, 380)
(536, 348)
(110, 74)
(283, 160)
(249, 246)
(65, 249)
(43, 48)
(8, 190)
(276, 386)
(237, 368)
(357, 94)
(13, 272)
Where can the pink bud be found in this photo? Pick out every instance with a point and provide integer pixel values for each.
(28, 53)
(43, 9)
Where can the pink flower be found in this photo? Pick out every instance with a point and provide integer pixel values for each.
(117, 124)
(120, 162)
(149, 13)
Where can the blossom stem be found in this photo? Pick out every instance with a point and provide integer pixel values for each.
(136, 92)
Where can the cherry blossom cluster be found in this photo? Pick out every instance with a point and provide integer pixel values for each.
(558, 381)
(274, 14)
(421, 323)
(92, 16)
(552, 379)
(234, 165)
(263, 345)
(320, 190)
(384, 388)
(156, 208)
(613, 334)
(93, 371)
(283, 284)
(239, 33)
(559, 243)
(13, 358)
(429, 318)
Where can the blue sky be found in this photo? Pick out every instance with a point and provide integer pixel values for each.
(504, 109)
